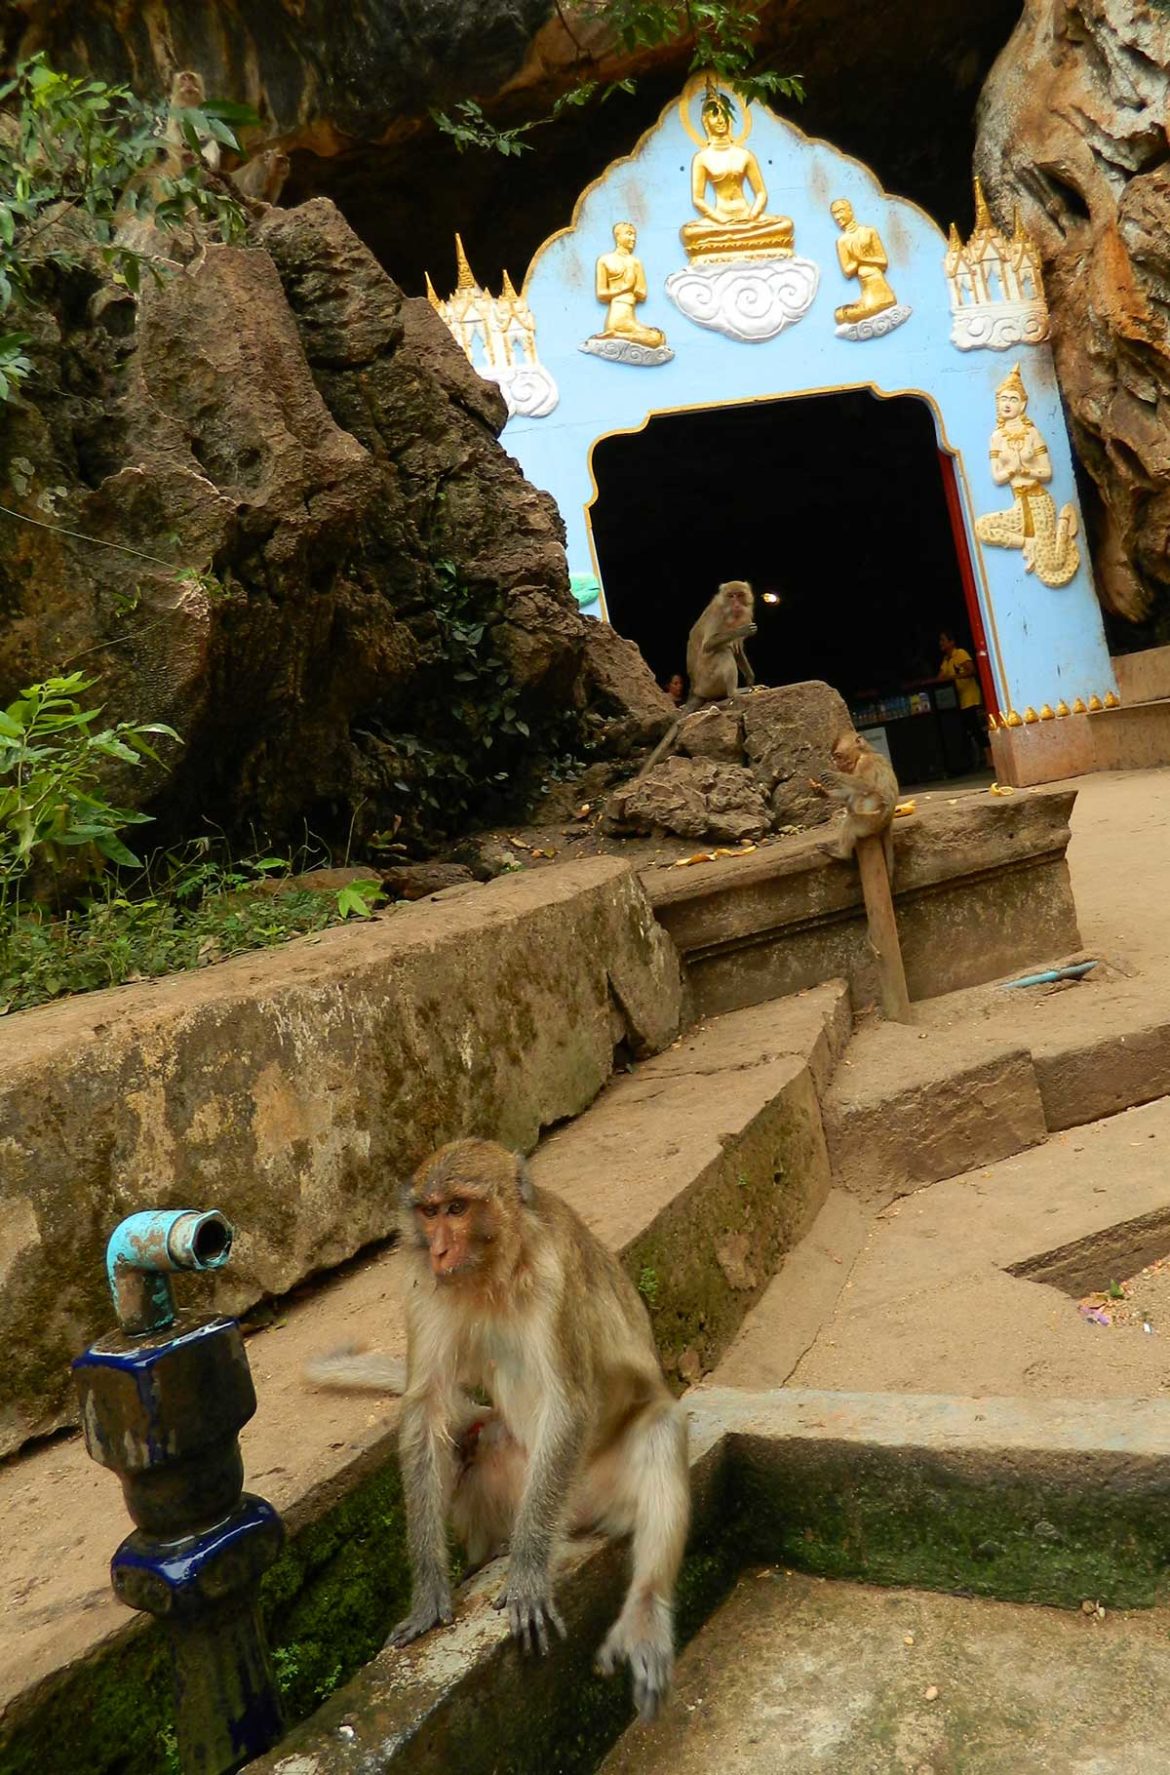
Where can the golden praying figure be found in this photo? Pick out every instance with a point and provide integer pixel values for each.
(733, 226)
(861, 254)
(621, 283)
(1020, 459)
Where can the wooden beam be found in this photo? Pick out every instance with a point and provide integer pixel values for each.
(883, 929)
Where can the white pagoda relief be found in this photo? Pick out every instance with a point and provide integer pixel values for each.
(498, 336)
(996, 285)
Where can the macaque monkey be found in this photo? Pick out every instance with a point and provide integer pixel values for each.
(865, 783)
(261, 179)
(510, 1292)
(715, 656)
(188, 93)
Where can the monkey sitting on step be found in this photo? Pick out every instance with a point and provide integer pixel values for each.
(866, 785)
(510, 1292)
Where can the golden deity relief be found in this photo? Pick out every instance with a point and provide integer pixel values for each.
(1020, 460)
(733, 226)
(861, 254)
(620, 282)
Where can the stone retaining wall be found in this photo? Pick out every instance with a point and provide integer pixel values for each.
(295, 1089)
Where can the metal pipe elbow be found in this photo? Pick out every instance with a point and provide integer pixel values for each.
(146, 1247)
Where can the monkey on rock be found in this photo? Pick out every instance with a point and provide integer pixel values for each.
(509, 1292)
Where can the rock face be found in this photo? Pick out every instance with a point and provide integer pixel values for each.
(745, 768)
(295, 1089)
(379, 597)
(1072, 128)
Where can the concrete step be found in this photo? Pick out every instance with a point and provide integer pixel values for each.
(986, 1073)
(999, 1497)
(981, 885)
(677, 1165)
(955, 1286)
(797, 1674)
(1134, 737)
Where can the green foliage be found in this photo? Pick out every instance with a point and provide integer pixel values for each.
(14, 365)
(721, 35)
(472, 756)
(85, 146)
(186, 909)
(52, 758)
(648, 1285)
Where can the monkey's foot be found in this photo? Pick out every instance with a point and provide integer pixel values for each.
(531, 1612)
(435, 1611)
(651, 1663)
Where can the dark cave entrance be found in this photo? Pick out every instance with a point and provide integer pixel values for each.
(835, 508)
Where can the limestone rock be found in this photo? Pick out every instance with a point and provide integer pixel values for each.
(414, 881)
(713, 732)
(695, 798)
(315, 448)
(1072, 131)
(788, 734)
(620, 684)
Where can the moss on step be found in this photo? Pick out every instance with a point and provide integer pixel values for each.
(712, 1251)
(328, 1603)
(1047, 1534)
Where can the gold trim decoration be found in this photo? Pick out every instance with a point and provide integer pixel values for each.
(1062, 707)
(1030, 716)
(1080, 707)
(1011, 719)
(1047, 713)
(1111, 701)
(1095, 704)
(992, 723)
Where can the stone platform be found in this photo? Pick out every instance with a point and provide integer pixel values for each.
(981, 886)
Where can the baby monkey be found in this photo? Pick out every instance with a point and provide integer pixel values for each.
(866, 785)
(509, 1292)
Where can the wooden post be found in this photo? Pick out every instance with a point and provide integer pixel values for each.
(883, 929)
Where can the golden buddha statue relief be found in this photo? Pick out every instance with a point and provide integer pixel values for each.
(860, 254)
(734, 226)
(620, 282)
(1020, 460)
(743, 277)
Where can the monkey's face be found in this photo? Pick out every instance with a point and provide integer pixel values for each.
(187, 91)
(455, 1230)
(847, 750)
(737, 601)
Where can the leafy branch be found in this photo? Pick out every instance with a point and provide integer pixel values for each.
(721, 35)
(90, 150)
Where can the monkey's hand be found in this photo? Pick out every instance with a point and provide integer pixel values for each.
(531, 1611)
(431, 1610)
(651, 1661)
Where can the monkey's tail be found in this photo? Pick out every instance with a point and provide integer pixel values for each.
(358, 1371)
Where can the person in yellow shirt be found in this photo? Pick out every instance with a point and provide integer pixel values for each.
(958, 666)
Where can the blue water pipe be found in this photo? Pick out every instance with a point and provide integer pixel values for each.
(163, 1400)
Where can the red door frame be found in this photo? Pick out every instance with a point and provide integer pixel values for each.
(950, 483)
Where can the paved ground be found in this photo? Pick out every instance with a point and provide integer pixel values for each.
(816, 1678)
(918, 1296)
